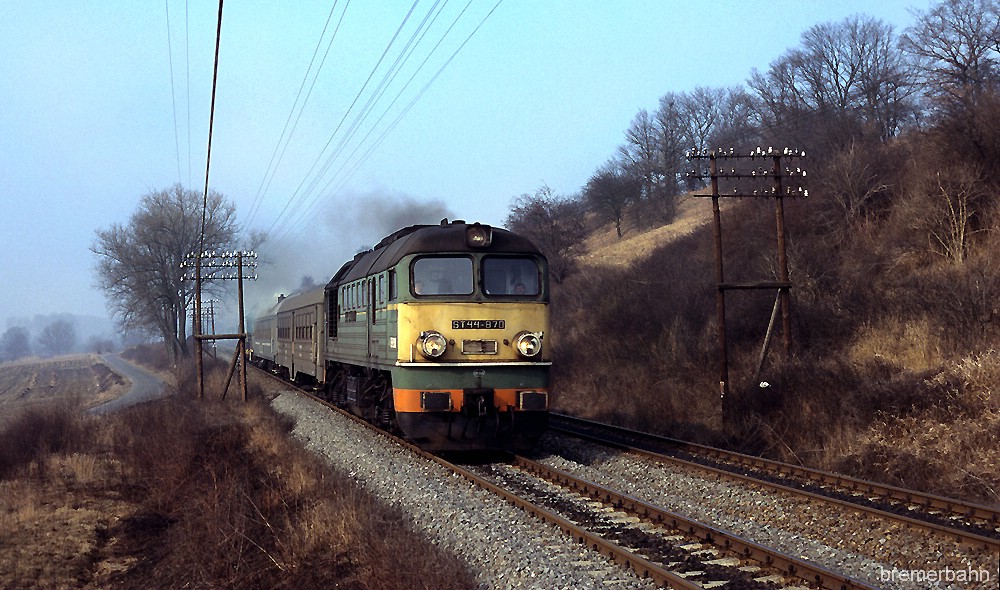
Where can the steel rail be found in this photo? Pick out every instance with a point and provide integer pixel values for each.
(960, 536)
(641, 567)
(746, 549)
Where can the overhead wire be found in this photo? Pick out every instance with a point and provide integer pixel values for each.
(295, 196)
(187, 83)
(376, 94)
(412, 102)
(173, 96)
(306, 212)
(276, 158)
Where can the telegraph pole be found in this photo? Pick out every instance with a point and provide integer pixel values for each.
(236, 261)
(766, 173)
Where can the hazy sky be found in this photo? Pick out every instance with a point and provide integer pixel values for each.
(101, 102)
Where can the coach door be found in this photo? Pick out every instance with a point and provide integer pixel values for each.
(376, 324)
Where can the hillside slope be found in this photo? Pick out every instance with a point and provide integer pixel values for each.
(635, 341)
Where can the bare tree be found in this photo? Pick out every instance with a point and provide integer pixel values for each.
(14, 344)
(670, 128)
(641, 158)
(958, 45)
(58, 338)
(846, 80)
(139, 264)
(100, 344)
(949, 201)
(609, 191)
(739, 122)
(554, 224)
(640, 154)
(855, 184)
(702, 114)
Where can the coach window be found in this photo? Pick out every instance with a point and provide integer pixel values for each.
(510, 276)
(381, 289)
(442, 275)
(392, 285)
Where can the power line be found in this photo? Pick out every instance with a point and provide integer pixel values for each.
(306, 212)
(187, 83)
(276, 159)
(405, 53)
(295, 196)
(173, 98)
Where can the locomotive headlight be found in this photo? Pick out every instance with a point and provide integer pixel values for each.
(432, 344)
(527, 344)
(478, 236)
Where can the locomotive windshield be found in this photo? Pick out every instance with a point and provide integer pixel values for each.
(442, 275)
(504, 275)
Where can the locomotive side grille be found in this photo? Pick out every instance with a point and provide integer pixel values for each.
(479, 347)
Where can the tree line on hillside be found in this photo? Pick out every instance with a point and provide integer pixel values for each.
(864, 102)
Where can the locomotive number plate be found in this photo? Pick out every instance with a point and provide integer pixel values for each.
(478, 324)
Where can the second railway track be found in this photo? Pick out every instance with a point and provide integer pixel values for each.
(969, 523)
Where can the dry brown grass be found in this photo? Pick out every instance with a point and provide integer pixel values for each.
(603, 247)
(947, 445)
(198, 494)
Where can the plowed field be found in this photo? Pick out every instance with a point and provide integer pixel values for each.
(82, 378)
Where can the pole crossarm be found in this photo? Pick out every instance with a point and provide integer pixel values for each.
(220, 260)
(240, 336)
(770, 173)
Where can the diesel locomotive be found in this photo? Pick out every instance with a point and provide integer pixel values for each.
(438, 332)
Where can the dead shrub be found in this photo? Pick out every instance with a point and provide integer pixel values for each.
(38, 432)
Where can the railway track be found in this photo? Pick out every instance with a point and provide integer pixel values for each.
(967, 523)
(675, 551)
(654, 543)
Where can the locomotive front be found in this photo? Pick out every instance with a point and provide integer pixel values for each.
(471, 366)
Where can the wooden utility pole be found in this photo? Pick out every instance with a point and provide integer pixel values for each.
(218, 261)
(767, 181)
